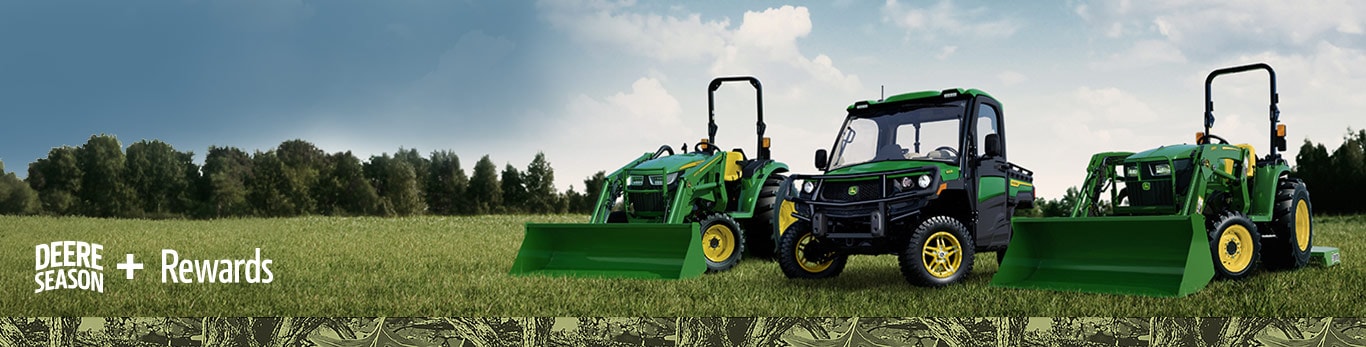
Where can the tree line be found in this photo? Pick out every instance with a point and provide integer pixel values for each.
(1333, 179)
(151, 179)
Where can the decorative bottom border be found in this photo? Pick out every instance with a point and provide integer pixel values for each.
(632, 331)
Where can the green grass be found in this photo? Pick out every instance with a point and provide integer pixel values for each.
(457, 266)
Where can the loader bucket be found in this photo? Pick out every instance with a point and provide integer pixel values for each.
(627, 250)
(1136, 255)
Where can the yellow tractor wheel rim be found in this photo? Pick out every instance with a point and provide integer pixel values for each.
(1302, 225)
(718, 243)
(809, 266)
(1235, 248)
(785, 217)
(942, 254)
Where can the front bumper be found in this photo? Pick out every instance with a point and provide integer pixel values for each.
(860, 205)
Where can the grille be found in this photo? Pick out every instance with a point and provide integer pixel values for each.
(839, 191)
(1159, 193)
(651, 202)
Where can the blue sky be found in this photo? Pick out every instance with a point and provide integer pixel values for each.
(595, 83)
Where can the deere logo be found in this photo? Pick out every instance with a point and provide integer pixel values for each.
(853, 190)
(1147, 186)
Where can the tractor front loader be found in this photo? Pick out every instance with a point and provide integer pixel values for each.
(1164, 221)
(667, 214)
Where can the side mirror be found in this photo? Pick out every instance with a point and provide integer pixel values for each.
(822, 159)
(992, 145)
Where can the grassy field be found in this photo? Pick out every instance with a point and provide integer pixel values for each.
(457, 266)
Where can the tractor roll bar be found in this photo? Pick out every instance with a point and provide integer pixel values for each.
(759, 103)
(1275, 112)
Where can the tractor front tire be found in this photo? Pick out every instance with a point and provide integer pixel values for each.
(1235, 246)
(939, 253)
(1293, 224)
(793, 258)
(723, 242)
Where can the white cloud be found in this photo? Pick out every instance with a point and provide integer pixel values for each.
(1142, 54)
(666, 38)
(1011, 77)
(1220, 26)
(945, 52)
(944, 18)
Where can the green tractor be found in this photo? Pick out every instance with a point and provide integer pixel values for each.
(920, 175)
(1164, 221)
(667, 214)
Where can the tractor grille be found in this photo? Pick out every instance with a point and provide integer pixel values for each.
(839, 191)
(1159, 193)
(648, 202)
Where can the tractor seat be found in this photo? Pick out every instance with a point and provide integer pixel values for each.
(733, 159)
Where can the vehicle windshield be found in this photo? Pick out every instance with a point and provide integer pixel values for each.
(924, 132)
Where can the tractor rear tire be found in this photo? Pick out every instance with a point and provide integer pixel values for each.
(762, 232)
(723, 242)
(792, 257)
(1235, 246)
(939, 253)
(1293, 223)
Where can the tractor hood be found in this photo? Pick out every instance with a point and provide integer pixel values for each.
(672, 163)
(1164, 152)
(947, 171)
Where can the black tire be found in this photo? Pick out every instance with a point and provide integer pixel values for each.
(934, 230)
(723, 242)
(793, 260)
(1229, 241)
(762, 230)
(1286, 251)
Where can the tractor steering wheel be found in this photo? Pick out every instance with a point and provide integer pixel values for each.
(947, 148)
(1205, 139)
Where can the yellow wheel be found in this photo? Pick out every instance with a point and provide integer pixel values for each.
(1236, 246)
(723, 242)
(938, 253)
(718, 243)
(803, 255)
(942, 255)
(786, 209)
(1293, 225)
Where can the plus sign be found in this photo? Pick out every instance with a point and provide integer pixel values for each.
(128, 266)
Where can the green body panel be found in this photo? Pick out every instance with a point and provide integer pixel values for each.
(1325, 256)
(1016, 187)
(750, 188)
(1264, 192)
(990, 187)
(1143, 255)
(919, 95)
(663, 251)
(947, 171)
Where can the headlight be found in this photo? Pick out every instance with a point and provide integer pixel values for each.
(924, 181)
(1131, 171)
(670, 178)
(656, 180)
(635, 180)
(1162, 169)
(808, 187)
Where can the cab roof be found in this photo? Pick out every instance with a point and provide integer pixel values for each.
(947, 93)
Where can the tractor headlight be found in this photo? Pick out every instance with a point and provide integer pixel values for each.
(808, 187)
(656, 180)
(924, 181)
(1162, 169)
(1131, 171)
(635, 180)
(671, 178)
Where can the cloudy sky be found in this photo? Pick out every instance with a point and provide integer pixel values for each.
(595, 83)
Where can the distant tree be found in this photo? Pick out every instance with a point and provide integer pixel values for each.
(104, 192)
(226, 172)
(447, 185)
(514, 190)
(573, 201)
(396, 183)
(1333, 178)
(592, 187)
(344, 190)
(421, 166)
(268, 187)
(161, 177)
(541, 196)
(16, 197)
(57, 179)
(302, 164)
(486, 195)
